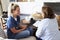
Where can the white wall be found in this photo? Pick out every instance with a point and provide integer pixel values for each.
(38, 3)
(5, 3)
(29, 7)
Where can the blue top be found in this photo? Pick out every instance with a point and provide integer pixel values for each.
(11, 22)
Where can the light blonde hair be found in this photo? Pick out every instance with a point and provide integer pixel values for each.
(37, 16)
(13, 7)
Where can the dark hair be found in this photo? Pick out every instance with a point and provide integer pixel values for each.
(13, 7)
(48, 13)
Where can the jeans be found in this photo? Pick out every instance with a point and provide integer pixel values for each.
(22, 34)
(31, 30)
(26, 33)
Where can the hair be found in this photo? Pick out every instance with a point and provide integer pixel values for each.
(13, 7)
(48, 12)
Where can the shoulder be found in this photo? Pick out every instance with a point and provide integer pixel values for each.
(45, 20)
(9, 19)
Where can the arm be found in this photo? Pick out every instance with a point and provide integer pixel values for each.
(15, 31)
(39, 32)
(23, 27)
(36, 23)
(41, 28)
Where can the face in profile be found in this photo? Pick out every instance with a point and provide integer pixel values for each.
(17, 11)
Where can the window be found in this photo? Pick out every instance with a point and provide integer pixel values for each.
(55, 6)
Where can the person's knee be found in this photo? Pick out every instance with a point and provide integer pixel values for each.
(27, 32)
(30, 29)
(23, 34)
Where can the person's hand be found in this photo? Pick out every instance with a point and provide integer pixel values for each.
(23, 27)
(25, 21)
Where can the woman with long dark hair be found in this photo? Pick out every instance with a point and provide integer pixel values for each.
(48, 27)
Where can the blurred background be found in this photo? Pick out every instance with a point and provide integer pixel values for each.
(29, 9)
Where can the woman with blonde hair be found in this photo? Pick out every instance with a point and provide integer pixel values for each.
(14, 29)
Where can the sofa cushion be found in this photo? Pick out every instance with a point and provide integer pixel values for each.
(29, 38)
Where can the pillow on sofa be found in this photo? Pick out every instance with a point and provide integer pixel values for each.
(29, 38)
